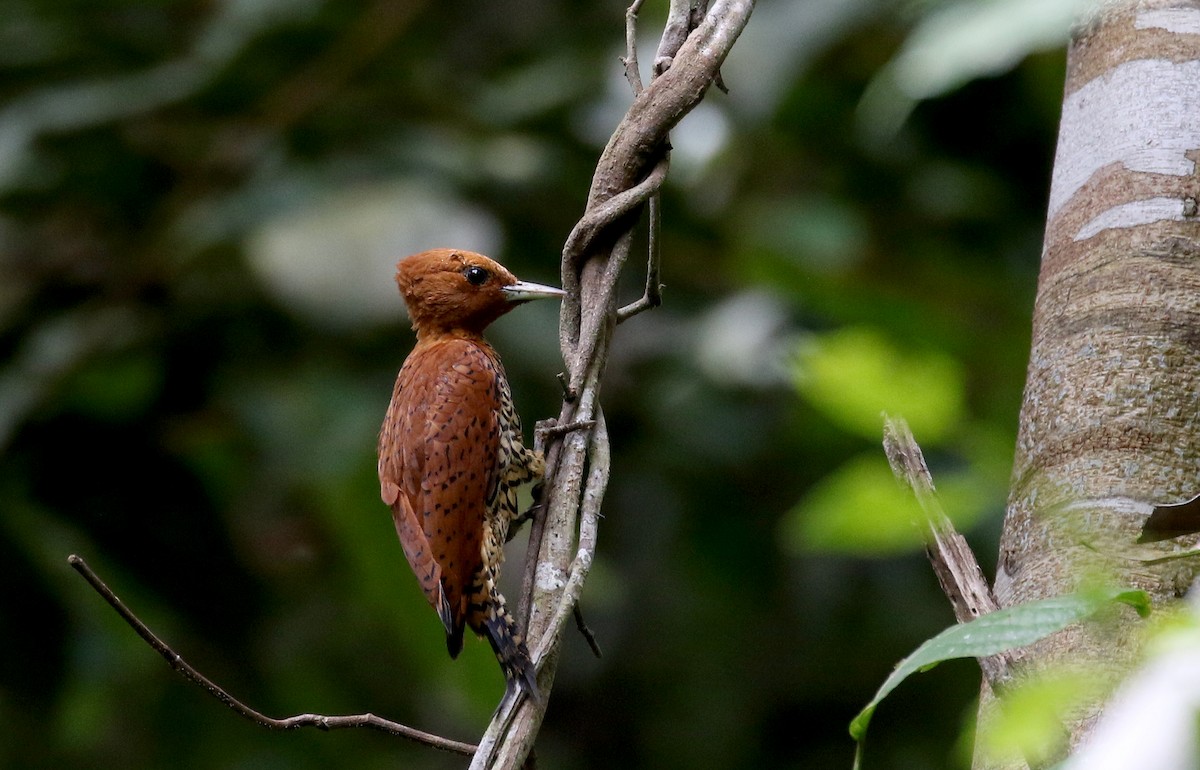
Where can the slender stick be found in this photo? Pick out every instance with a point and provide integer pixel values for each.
(680, 22)
(631, 58)
(584, 630)
(319, 721)
(953, 562)
(652, 296)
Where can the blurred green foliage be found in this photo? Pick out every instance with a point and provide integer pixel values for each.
(200, 204)
(854, 374)
(1028, 723)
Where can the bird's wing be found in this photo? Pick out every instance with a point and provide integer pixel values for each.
(401, 460)
(419, 553)
(441, 467)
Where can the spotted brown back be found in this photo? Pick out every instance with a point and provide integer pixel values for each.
(438, 467)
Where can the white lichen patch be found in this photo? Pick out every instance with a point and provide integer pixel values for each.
(549, 578)
(1142, 115)
(1183, 21)
(1132, 214)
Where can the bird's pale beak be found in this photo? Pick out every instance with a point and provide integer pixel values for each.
(523, 291)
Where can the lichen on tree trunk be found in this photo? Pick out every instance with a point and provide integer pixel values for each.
(1110, 423)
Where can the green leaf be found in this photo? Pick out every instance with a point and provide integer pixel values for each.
(854, 374)
(999, 631)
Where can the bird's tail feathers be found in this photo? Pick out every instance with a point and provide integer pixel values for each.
(454, 628)
(493, 622)
(510, 649)
(454, 641)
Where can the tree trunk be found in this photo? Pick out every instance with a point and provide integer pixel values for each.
(1110, 425)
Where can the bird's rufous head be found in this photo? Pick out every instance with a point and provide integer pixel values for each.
(448, 290)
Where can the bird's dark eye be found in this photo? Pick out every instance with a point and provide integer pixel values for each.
(476, 275)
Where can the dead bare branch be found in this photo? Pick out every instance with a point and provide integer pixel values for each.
(589, 637)
(681, 20)
(652, 295)
(954, 563)
(319, 721)
(630, 60)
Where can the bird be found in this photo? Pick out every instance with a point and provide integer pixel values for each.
(451, 451)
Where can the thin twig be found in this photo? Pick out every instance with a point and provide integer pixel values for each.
(632, 74)
(953, 562)
(565, 385)
(319, 721)
(555, 430)
(681, 20)
(652, 296)
(587, 633)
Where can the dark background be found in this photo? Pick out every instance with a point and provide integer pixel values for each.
(200, 207)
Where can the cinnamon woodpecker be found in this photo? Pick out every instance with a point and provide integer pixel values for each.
(451, 455)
